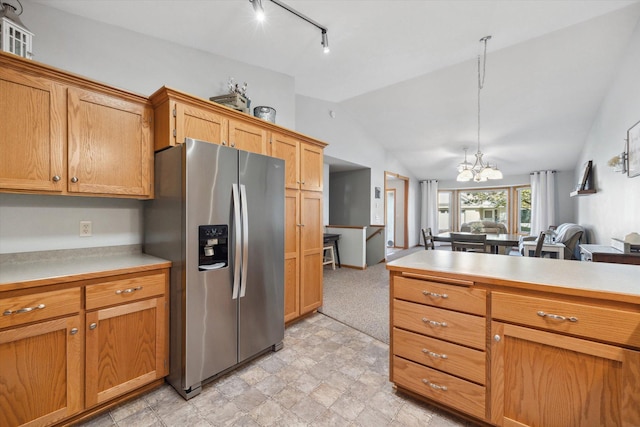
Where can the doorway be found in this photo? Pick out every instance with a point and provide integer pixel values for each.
(395, 213)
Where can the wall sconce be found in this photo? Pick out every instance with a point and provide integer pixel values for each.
(619, 163)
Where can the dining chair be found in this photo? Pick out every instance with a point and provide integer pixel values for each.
(428, 238)
(468, 242)
(538, 252)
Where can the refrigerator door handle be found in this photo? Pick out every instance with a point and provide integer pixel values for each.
(238, 243)
(245, 240)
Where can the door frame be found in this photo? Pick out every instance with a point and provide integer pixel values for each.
(405, 205)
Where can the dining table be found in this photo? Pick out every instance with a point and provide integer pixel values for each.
(494, 240)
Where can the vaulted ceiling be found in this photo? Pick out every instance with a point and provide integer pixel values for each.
(406, 70)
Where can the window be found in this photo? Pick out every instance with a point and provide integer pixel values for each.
(483, 205)
(524, 210)
(510, 206)
(444, 211)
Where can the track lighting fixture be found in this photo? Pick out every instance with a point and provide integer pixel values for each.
(260, 15)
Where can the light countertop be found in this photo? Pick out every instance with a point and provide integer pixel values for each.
(616, 282)
(28, 270)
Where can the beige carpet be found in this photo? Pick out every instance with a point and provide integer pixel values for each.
(360, 298)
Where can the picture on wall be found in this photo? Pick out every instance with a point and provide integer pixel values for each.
(633, 150)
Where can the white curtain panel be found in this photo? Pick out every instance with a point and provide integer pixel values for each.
(543, 205)
(429, 206)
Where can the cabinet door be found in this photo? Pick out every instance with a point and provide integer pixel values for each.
(291, 254)
(311, 244)
(288, 149)
(544, 379)
(125, 348)
(310, 167)
(41, 372)
(110, 145)
(196, 123)
(247, 137)
(32, 140)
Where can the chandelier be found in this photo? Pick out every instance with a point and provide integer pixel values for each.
(479, 171)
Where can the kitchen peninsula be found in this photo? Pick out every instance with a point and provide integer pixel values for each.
(517, 340)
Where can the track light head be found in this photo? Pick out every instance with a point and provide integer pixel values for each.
(325, 42)
(257, 7)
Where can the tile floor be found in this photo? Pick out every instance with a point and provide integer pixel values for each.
(327, 374)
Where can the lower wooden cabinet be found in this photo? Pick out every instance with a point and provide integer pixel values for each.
(41, 372)
(125, 348)
(540, 378)
(55, 369)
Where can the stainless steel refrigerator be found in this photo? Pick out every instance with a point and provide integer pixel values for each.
(218, 215)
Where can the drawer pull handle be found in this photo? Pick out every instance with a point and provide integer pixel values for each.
(23, 310)
(433, 354)
(93, 325)
(128, 291)
(434, 385)
(435, 295)
(434, 323)
(557, 317)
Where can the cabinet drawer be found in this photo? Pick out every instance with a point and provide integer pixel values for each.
(124, 290)
(448, 325)
(451, 391)
(457, 360)
(459, 298)
(600, 323)
(43, 305)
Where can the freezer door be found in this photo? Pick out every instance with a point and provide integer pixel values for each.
(210, 312)
(261, 317)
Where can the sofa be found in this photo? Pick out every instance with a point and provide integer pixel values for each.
(490, 227)
(567, 233)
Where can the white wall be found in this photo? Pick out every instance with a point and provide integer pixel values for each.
(614, 211)
(31, 223)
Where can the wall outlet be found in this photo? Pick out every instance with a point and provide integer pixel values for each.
(85, 228)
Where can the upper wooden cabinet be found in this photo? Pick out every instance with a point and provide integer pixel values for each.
(179, 115)
(109, 145)
(63, 134)
(303, 162)
(248, 137)
(33, 136)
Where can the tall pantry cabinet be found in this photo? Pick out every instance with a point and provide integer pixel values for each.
(303, 225)
(179, 115)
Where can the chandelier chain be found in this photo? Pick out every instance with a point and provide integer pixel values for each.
(481, 76)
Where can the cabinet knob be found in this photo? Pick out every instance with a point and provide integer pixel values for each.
(92, 326)
(497, 338)
(233, 144)
(74, 179)
(56, 178)
(73, 331)
(224, 142)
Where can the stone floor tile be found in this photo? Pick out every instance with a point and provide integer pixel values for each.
(308, 410)
(348, 407)
(143, 418)
(268, 413)
(325, 394)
